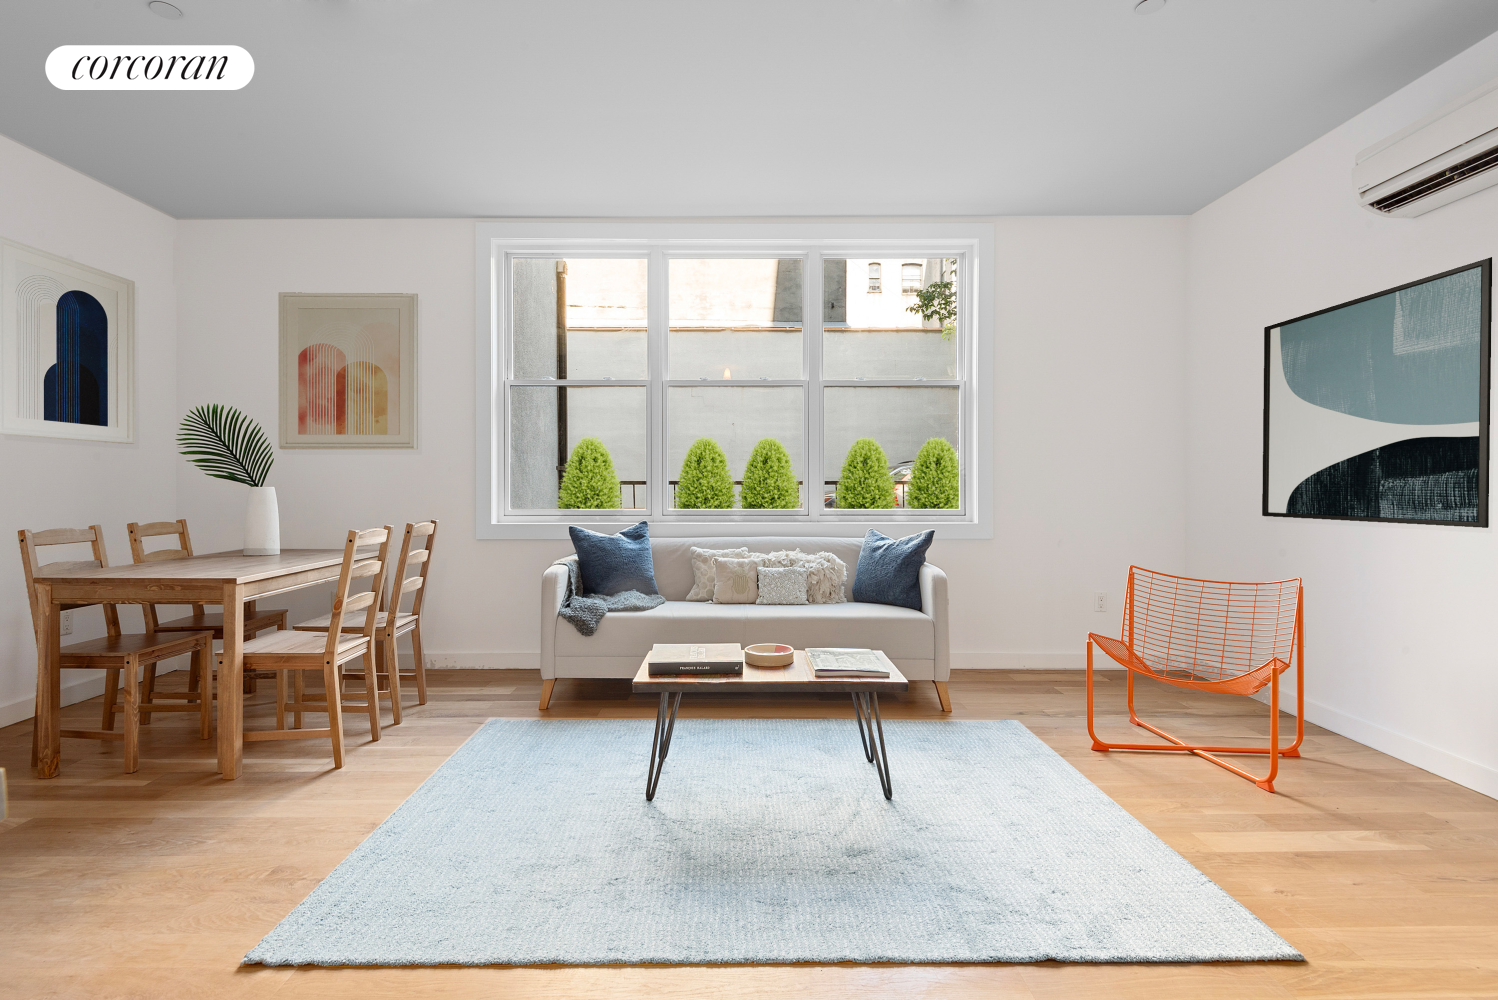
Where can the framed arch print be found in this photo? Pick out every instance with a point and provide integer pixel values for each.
(66, 348)
(348, 371)
(1377, 409)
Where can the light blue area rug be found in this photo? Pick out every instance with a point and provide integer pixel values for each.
(768, 841)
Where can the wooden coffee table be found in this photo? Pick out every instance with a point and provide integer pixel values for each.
(794, 679)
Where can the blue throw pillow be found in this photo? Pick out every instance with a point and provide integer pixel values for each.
(612, 564)
(889, 569)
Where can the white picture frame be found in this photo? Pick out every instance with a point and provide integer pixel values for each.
(67, 348)
(347, 370)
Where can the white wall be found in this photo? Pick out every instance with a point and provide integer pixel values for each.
(1397, 616)
(49, 483)
(1089, 447)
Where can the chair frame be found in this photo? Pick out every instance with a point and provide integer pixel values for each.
(334, 653)
(1275, 667)
(255, 620)
(387, 655)
(124, 664)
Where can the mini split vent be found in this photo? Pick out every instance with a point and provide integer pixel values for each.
(1443, 157)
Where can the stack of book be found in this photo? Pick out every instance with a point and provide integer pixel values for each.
(833, 661)
(669, 658)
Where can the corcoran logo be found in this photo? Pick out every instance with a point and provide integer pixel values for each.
(149, 67)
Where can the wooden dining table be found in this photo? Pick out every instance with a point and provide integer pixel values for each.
(227, 578)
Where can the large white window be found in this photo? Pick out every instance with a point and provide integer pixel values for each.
(735, 379)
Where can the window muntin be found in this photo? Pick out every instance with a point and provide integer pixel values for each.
(823, 414)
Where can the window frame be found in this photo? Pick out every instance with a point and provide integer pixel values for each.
(496, 243)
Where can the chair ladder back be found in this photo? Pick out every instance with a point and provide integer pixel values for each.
(31, 562)
(353, 569)
(402, 584)
(138, 534)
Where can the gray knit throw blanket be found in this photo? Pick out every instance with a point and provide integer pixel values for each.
(585, 611)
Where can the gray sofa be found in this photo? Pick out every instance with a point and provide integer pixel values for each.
(915, 640)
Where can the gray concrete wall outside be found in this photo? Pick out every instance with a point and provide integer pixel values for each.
(533, 410)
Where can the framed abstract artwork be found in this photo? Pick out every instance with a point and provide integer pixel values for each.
(348, 371)
(1377, 409)
(66, 348)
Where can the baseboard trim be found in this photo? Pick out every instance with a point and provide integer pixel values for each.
(993, 660)
(1442, 763)
(21, 709)
(523, 660)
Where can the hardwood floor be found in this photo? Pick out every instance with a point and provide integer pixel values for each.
(155, 884)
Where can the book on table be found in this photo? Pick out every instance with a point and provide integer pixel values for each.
(837, 661)
(667, 658)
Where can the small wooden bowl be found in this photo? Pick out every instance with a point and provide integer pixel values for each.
(769, 654)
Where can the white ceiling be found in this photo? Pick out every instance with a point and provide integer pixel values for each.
(704, 107)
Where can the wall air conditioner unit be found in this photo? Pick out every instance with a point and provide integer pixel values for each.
(1444, 156)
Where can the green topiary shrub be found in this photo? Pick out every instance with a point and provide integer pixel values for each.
(865, 482)
(706, 483)
(933, 481)
(769, 480)
(589, 482)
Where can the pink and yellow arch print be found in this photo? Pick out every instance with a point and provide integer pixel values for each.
(348, 373)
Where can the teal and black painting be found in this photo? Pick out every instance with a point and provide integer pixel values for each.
(1409, 357)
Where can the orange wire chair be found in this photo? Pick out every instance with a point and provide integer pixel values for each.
(1211, 635)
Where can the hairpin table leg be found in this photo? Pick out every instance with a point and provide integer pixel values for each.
(866, 709)
(665, 723)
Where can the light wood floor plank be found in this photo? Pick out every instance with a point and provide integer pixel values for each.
(113, 885)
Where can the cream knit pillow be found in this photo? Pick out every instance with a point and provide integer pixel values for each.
(736, 581)
(702, 570)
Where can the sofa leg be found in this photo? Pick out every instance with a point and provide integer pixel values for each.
(943, 696)
(546, 686)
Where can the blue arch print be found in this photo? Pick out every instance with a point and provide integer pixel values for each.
(76, 389)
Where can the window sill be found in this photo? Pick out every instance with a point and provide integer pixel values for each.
(957, 526)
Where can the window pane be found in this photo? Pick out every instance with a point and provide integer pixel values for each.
(602, 329)
(737, 418)
(547, 422)
(876, 335)
(901, 419)
(735, 319)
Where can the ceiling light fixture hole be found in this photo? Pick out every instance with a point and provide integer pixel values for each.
(163, 9)
(1149, 6)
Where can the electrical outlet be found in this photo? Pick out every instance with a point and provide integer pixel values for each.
(1100, 602)
(67, 623)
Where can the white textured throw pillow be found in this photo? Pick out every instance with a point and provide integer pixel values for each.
(782, 585)
(826, 574)
(736, 581)
(702, 570)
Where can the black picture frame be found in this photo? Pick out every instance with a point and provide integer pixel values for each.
(1484, 387)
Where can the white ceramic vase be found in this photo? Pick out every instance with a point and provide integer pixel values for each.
(262, 523)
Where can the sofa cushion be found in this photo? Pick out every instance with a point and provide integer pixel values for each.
(889, 569)
(612, 564)
(901, 633)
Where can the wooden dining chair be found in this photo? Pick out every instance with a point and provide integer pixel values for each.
(391, 623)
(122, 655)
(292, 651)
(201, 620)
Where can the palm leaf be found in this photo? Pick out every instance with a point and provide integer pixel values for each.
(225, 444)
